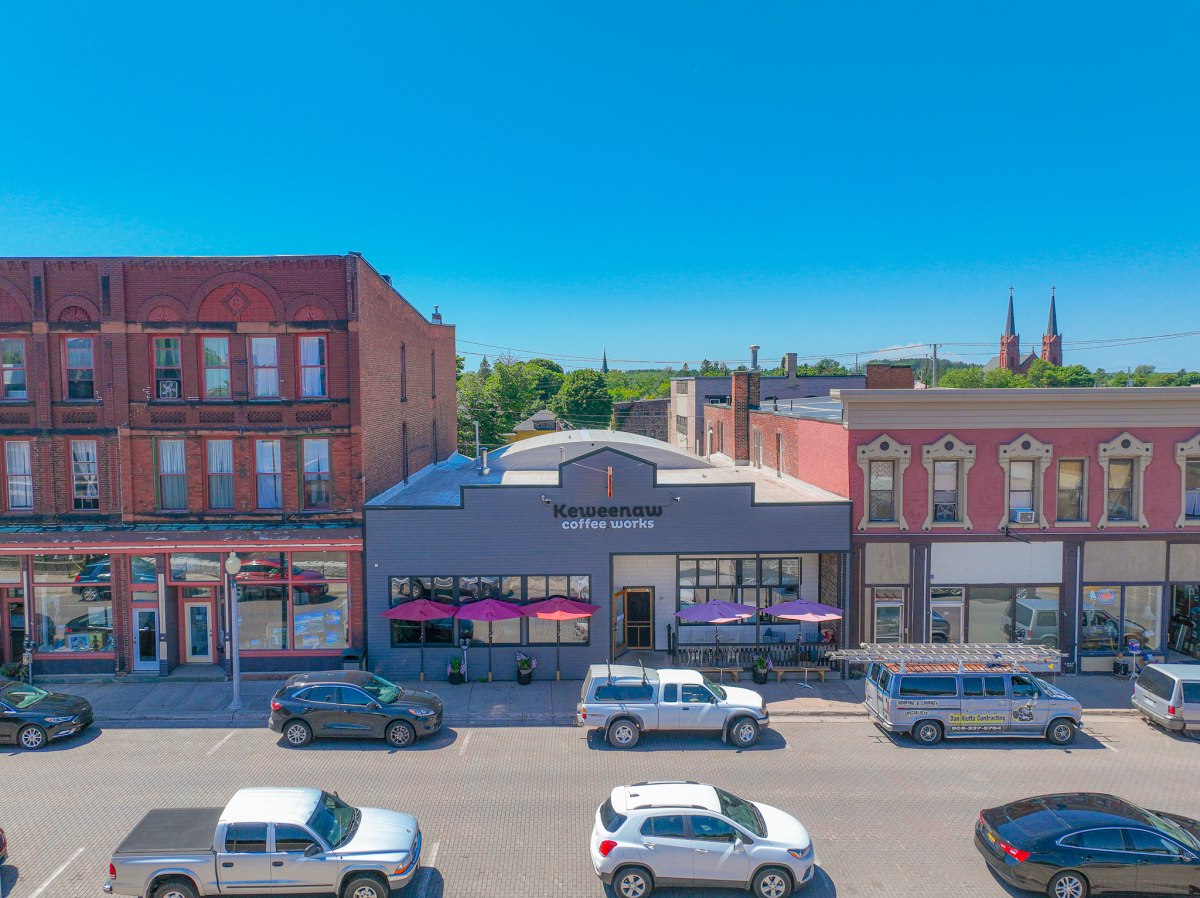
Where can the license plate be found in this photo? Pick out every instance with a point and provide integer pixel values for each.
(991, 838)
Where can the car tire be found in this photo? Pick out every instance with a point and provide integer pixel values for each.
(89, 593)
(623, 733)
(400, 734)
(632, 882)
(771, 882)
(1061, 731)
(364, 885)
(175, 888)
(744, 732)
(32, 737)
(927, 732)
(1067, 884)
(297, 733)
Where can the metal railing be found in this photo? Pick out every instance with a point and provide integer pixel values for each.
(742, 655)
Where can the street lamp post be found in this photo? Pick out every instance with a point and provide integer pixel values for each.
(233, 565)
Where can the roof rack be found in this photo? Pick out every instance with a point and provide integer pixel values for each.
(1034, 658)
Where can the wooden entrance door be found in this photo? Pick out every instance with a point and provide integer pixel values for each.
(639, 618)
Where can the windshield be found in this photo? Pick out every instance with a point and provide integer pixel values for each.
(334, 820)
(742, 813)
(715, 689)
(20, 696)
(1052, 691)
(381, 690)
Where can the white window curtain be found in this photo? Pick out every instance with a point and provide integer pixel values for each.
(264, 353)
(220, 473)
(172, 472)
(312, 366)
(316, 456)
(270, 469)
(20, 477)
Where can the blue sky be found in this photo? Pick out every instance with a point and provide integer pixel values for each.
(667, 181)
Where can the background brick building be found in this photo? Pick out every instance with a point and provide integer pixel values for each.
(158, 413)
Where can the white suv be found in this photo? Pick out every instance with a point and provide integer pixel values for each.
(690, 834)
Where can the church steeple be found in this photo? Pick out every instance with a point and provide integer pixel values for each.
(1010, 342)
(1052, 339)
(1010, 327)
(1052, 324)
(604, 363)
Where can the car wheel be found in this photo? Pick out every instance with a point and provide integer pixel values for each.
(297, 733)
(1061, 732)
(744, 732)
(773, 882)
(927, 732)
(623, 733)
(633, 882)
(1067, 884)
(32, 737)
(175, 888)
(400, 734)
(365, 886)
(90, 593)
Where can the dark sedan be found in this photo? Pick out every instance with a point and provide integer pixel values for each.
(352, 704)
(31, 717)
(1084, 843)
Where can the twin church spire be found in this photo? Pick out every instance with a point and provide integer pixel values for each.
(1010, 342)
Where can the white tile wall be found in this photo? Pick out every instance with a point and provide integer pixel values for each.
(657, 571)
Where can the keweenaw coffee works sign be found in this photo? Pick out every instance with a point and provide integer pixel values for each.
(607, 517)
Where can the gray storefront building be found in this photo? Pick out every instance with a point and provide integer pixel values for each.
(631, 524)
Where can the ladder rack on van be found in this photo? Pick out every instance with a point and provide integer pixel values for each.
(1033, 658)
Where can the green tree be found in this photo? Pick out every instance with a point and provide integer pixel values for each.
(584, 400)
(460, 365)
(513, 393)
(548, 377)
(475, 403)
(970, 378)
(485, 370)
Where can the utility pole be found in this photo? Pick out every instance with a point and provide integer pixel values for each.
(933, 379)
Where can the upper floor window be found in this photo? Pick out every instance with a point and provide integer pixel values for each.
(264, 367)
(1020, 487)
(433, 374)
(216, 367)
(945, 491)
(1070, 489)
(403, 373)
(85, 476)
(81, 369)
(269, 471)
(882, 495)
(1120, 489)
(313, 367)
(220, 474)
(172, 475)
(18, 472)
(168, 368)
(12, 358)
(316, 472)
(1191, 490)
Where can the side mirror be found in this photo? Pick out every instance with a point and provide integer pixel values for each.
(738, 845)
(312, 850)
(374, 706)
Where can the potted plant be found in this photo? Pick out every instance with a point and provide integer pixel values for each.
(525, 666)
(759, 668)
(454, 670)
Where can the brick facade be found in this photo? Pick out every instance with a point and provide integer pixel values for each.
(647, 417)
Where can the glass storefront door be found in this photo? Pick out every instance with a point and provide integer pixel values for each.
(197, 633)
(145, 642)
(1185, 619)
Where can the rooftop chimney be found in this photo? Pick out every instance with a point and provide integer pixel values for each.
(753, 358)
(745, 393)
(437, 316)
(388, 278)
(791, 365)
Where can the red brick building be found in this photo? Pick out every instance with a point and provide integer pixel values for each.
(159, 413)
(1067, 517)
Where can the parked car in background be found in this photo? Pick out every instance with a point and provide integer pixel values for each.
(31, 716)
(95, 579)
(689, 834)
(261, 570)
(282, 841)
(352, 704)
(1084, 843)
(1169, 695)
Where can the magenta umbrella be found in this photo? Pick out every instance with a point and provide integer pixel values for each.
(420, 610)
(488, 610)
(801, 609)
(559, 609)
(717, 612)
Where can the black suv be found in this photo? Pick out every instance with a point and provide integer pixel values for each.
(352, 704)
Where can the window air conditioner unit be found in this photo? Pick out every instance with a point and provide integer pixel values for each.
(1022, 515)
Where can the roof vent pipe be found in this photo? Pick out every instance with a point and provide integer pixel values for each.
(754, 358)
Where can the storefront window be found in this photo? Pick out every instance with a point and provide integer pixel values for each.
(437, 632)
(946, 614)
(887, 621)
(260, 566)
(1037, 615)
(1100, 627)
(327, 565)
(143, 570)
(188, 567)
(320, 617)
(65, 622)
(1185, 619)
(1143, 606)
(68, 568)
(262, 617)
(10, 568)
(989, 614)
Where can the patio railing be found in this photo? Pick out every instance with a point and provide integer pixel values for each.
(742, 655)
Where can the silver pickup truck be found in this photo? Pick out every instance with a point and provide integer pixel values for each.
(268, 842)
(624, 702)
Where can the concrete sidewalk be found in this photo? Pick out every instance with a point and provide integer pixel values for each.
(151, 702)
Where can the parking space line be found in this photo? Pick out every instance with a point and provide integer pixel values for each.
(54, 875)
(427, 869)
(462, 749)
(213, 750)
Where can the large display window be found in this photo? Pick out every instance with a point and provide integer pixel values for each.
(72, 598)
(1117, 618)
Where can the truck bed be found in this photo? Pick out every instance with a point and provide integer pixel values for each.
(173, 831)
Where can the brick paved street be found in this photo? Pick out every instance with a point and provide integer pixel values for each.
(510, 807)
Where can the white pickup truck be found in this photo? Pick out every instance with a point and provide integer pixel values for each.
(268, 842)
(624, 702)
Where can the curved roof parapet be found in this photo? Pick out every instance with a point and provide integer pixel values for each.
(547, 452)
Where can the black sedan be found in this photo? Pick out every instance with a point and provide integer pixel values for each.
(1084, 843)
(31, 717)
(352, 704)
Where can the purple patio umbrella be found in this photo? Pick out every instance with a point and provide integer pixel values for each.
(717, 613)
(799, 609)
(488, 610)
(559, 609)
(420, 610)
